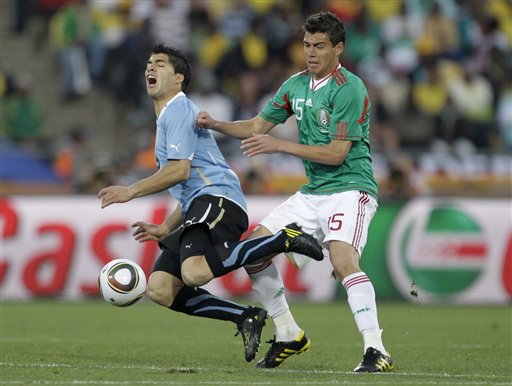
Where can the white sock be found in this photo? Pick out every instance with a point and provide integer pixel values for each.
(286, 328)
(268, 285)
(361, 298)
(374, 339)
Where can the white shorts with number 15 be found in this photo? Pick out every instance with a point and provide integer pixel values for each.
(342, 216)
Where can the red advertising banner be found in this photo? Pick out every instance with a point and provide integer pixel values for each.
(442, 250)
(56, 246)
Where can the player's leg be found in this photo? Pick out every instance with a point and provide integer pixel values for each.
(165, 281)
(346, 233)
(268, 285)
(168, 291)
(227, 256)
(289, 338)
(165, 287)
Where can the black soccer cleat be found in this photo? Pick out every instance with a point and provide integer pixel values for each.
(374, 361)
(250, 326)
(300, 242)
(279, 351)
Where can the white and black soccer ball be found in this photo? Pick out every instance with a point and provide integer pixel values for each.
(122, 282)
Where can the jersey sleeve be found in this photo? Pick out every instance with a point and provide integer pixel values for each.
(350, 112)
(180, 132)
(279, 108)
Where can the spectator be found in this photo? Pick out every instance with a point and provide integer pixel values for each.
(23, 116)
(486, 37)
(472, 96)
(70, 31)
(209, 44)
(20, 15)
(504, 114)
(280, 25)
(365, 40)
(391, 44)
(430, 97)
(236, 22)
(124, 79)
(72, 162)
(208, 97)
(168, 20)
(253, 46)
(44, 12)
(440, 33)
(6, 84)
(399, 33)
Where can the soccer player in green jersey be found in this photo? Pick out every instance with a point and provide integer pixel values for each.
(337, 203)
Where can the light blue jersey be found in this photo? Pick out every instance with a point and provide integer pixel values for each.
(178, 138)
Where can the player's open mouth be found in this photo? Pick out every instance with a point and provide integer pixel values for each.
(150, 80)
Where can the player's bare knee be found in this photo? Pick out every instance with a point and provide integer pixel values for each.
(344, 259)
(195, 271)
(155, 295)
(161, 291)
(193, 277)
(159, 295)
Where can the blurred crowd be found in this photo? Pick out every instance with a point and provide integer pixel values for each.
(438, 73)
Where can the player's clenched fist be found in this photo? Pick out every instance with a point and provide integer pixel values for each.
(204, 120)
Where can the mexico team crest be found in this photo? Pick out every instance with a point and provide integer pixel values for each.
(323, 119)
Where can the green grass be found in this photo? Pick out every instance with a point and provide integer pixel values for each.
(92, 343)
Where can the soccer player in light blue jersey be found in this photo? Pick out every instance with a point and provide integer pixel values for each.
(200, 239)
(338, 202)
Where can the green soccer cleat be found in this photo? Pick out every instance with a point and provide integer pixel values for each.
(251, 325)
(300, 242)
(374, 361)
(279, 351)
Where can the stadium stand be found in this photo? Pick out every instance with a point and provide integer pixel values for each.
(438, 73)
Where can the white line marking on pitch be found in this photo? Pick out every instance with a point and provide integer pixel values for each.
(334, 372)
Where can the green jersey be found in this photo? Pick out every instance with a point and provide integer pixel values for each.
(334, 108)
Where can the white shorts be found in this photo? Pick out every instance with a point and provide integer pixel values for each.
(342, 216)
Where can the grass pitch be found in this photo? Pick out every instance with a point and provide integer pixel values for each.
(93, 343)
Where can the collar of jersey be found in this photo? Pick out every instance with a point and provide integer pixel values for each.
(316, 85)
(181, 93)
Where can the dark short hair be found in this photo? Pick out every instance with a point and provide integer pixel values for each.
(178, 60)
(327, 23)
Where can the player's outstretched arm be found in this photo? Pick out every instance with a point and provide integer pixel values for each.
(236, 129)
(333, 153)
(172, 173)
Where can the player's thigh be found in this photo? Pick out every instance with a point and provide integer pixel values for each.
(298, 208)
(169, 259)
(210, 220)
(213, 220)
(231, 224)
(221, 218)
(165, 279)
(346, 217)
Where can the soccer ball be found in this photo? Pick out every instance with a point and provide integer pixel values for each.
(122, 282)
